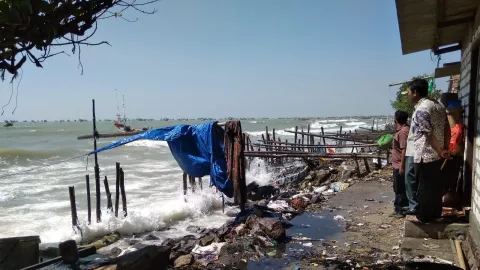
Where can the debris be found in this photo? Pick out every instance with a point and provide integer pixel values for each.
(272, 253)
(183, 261)
(339, 186)
(395, 247)
(213, 249)
(309, 244)
(320, 189)
(272, 227)
(338, 217)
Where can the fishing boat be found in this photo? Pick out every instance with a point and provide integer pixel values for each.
(121, 123)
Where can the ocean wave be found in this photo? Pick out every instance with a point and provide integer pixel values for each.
(354, 123)
(334, 120)
(319, 124)
(15, 156)
(150, 217)
(148, 143)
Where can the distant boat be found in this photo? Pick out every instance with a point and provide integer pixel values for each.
(121, 123)
(8, 124)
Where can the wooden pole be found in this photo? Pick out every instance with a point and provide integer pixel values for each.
(185, 187)
(323, 134)
(308, 131)
(89, 204)
(357, 166)
(200, 182)
(73, 206)
(97, 169)
(367, 167)
(303, 135)
(117, 187)
(122, 190)
(109, 195)
(296, 134)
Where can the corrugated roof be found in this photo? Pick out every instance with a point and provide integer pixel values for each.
(419, 22)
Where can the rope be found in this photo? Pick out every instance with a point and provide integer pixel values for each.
(40, 167)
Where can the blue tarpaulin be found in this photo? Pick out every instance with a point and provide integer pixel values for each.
(198, 150)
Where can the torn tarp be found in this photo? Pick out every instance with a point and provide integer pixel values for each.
(198, 150)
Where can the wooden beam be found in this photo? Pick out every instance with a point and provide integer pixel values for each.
(448, 49)
(452, 64)
(448, 23)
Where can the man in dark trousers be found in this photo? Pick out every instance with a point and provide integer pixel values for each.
(431, 135)
(399, 147)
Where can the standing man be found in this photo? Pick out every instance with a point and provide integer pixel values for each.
(411, 184)
(431, 135)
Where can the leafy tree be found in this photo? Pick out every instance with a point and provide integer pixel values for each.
(401, 102)
(32, 29)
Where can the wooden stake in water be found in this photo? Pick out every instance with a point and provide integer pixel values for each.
(73, 206)
(117, 187)
(185, 187)
(89, 204)
(109, 195)
(97, 169)
(122, 190)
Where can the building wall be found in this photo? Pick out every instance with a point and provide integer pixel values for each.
(469, 44)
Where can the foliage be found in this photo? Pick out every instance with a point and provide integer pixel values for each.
(401, 102)
(29, 29)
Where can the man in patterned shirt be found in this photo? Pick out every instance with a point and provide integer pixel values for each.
(431, 135)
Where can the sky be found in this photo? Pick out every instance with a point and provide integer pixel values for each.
(238, 58)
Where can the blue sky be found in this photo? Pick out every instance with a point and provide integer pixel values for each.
(240, 58)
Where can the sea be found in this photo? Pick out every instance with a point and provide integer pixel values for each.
(36, 169)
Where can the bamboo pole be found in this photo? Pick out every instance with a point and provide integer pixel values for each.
(122, 190)
(89, 204)
(97, 169)
(185, 187)
(73, 206)
(302, 154)
(269, 144)
(296, 134)
(117, 187)
(323, 134)
(109, 195)
(367, 167)
(303, 135)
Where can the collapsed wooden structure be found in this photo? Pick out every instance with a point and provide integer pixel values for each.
(309, 145)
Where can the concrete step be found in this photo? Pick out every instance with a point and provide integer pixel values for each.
(433, 230)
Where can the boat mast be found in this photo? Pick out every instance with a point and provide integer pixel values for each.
(124, 115)
(118, 108)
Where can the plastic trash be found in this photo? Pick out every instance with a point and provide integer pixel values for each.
(339, 186)
(309, 244)
(338, 217)
(320, 189)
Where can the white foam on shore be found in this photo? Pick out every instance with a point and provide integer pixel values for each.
(258, 172)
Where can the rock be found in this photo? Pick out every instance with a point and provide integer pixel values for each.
(349, 173)
(114, 252)
(272, 227)
(151, 237)
(183, 261)
(207, 240)
(262, 203)
(322, 176)
(193, 229)
(149, 257)
(241, 229)
(132, 242)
